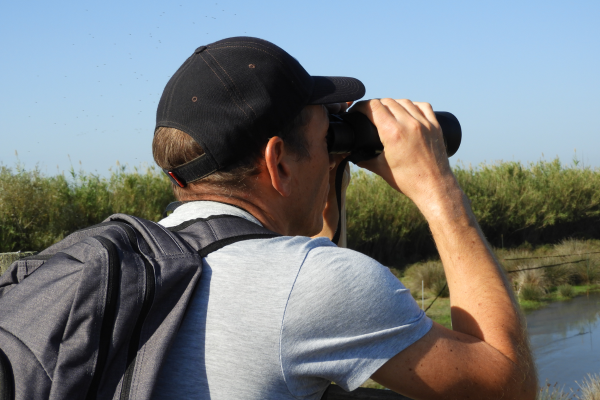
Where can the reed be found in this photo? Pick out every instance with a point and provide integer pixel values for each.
(537, 203)
(516, 204)
(538, 275)
(553, 392)
(38, 210)
(590, 387)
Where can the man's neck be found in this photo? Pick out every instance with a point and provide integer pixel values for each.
(270, 216)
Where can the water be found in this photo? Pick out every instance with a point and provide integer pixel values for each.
(565, 338)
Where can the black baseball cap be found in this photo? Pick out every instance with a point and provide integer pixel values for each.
(238, 91)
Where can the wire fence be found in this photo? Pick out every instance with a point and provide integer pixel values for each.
(562, 255)
(547, 266)
(532, 268)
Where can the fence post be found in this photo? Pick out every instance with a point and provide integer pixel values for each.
(587, 268)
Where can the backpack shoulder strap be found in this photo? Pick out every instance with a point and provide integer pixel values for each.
(206, 235)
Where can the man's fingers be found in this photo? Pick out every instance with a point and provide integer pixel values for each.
(428, 112)
(400, 108)
(380, 110)
(375, 111)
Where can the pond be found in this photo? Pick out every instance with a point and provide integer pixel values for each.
(565, 339)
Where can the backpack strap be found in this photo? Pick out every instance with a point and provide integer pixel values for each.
(171, 207)
(7, 379)
(206, 235)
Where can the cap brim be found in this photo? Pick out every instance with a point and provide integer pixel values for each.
(335, 89)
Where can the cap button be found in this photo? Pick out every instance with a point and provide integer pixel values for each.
(200, 49)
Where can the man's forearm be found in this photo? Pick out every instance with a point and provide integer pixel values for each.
(482, 301)
(486, 355)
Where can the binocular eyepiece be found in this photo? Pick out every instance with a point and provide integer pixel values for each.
(354, 133)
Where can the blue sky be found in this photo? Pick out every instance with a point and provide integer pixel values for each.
(82, 79)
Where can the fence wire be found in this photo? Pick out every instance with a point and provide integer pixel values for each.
(528, 269)
(564, 255)
(548, 266)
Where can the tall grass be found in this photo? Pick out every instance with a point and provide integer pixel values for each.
(37, 210)
(553, 392)
(549, 271)
(544, 202)
(428, 276)
(589, 389)
(572, 262)
(537, 203)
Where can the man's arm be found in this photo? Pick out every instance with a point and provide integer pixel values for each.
(486, 355)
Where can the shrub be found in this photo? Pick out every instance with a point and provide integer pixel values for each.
(532, 277)
(517, 200)
(37, 210)
(560, 275)
(383, 223)
(588, 271)
(565, 290)
(541, 202)
(430, 273)
(531, 292)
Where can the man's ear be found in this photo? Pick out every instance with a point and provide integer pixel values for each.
(278, 167)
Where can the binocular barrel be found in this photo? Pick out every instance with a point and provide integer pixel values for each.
(354, 133)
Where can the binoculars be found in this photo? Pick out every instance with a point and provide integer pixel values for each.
(354, 133)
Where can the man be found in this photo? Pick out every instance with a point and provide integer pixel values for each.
(242, 130)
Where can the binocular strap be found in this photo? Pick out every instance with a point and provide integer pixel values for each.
(339, 177)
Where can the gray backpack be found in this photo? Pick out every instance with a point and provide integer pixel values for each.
(92, 316)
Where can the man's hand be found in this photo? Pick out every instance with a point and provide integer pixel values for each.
(486, 355)
(414, 159)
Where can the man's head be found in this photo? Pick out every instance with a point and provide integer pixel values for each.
(227, 101)
(172, 148)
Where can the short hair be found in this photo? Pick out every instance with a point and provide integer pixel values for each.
(172, 147)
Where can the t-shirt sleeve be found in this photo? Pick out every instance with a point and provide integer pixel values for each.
(345, 317)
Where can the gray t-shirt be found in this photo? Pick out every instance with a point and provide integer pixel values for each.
(281, 318)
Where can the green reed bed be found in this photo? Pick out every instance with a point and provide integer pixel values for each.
(38, 210)
(535, 215)
(537, 203)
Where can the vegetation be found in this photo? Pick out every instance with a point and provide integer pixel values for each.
(539, 203)
(589, 389)
(37, 210)
(539, 275)
(536, 215)
(553, 392)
